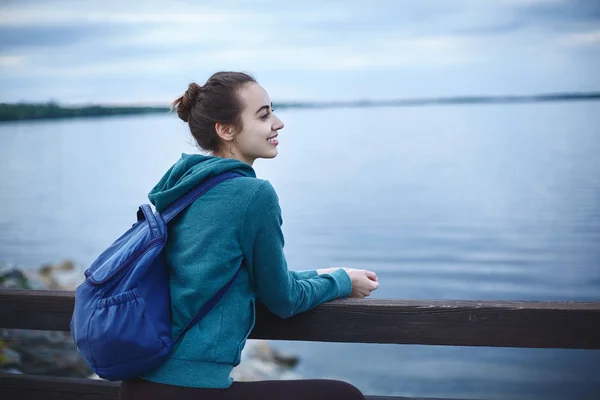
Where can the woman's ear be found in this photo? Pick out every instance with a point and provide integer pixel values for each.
(225, 131)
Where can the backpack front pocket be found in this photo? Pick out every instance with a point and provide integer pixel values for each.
(121, 330)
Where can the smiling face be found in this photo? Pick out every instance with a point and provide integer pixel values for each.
(258, 137)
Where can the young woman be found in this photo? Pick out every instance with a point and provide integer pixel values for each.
(235, 224)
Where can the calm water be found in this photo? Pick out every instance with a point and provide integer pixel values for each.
(454, 202)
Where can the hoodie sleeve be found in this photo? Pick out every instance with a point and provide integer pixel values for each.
(262, 245)
(311, 273)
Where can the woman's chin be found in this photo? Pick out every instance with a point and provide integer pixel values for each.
(271, 154)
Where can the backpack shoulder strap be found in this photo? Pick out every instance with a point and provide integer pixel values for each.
(171, 212)
(178, 206)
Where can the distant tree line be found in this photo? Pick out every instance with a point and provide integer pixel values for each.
(24, 111)
(51, 110)
(552, 97)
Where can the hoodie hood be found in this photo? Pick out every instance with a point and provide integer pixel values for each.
(188, 172)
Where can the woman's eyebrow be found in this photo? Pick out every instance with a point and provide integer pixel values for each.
(267, 107)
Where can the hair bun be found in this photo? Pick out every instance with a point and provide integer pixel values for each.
(186, 102)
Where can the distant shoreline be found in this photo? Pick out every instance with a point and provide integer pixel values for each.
(447, 100)
(33, 111)
(41, 111)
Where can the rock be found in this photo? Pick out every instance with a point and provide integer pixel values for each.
(12, 277)
(67, 265)
(10, 370)
(262, 350)
(41, 352)
(8, 356)
(62, 276)
(260, 361)
(290, 375)
(259, 370)
(285, 359)
(46, 353)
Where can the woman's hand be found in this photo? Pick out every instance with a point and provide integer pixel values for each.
(363, 281)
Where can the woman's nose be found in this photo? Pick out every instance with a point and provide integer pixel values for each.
(278, 124)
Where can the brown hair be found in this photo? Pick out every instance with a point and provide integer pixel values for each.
(217, 101)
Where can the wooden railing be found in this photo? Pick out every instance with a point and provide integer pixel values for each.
(568, 325)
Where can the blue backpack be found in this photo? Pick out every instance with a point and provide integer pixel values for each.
(121, 324)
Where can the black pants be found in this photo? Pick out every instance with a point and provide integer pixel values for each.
(311, 389)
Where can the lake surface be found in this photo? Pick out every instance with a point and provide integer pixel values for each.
(443, 202)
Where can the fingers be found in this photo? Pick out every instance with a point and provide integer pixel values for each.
(360, 294)
(365, 289)
(373, 285)
(363, 282)
(371, 275)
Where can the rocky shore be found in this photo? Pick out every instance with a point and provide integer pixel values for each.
(53, 353)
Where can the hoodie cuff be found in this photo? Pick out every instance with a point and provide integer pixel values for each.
(344, 282)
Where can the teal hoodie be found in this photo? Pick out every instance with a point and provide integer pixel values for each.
(237, 221)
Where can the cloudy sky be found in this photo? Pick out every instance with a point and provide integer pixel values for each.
(148, 51)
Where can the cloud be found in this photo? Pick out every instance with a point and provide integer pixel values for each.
(11, 61)
(28, 37)
(591, 38)
(559, 13)
(52, 17)
(108, 42)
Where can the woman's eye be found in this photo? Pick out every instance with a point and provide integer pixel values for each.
(265, 116)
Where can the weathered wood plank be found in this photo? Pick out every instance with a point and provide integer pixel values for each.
(459, 323)
(36, 309)
(574, 325)
(27, 387)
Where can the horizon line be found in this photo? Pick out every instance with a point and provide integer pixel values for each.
(406, 102)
